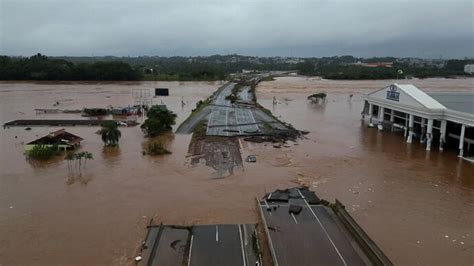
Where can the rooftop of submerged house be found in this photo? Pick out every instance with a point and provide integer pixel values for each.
(59, 137)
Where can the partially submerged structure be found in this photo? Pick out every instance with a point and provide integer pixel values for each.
(125, 111)
(230, 114)
(317, 97)
(305, 230)
(218, 244)
(435, 118)
(60, 138)
(66, 122)
(299, 229)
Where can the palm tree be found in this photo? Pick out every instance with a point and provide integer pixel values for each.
(80, 156)
(77, 160)
(110, 133)
(69, 157)
(87, 156)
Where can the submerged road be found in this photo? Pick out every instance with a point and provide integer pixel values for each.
(224, 118)
(227, 119)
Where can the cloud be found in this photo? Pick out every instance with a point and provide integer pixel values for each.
(257, 27)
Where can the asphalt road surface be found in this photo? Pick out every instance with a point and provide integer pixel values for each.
(203, 245)
(311, 237)
(217, 245)
(227, 119)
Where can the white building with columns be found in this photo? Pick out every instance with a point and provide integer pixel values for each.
(441, 118)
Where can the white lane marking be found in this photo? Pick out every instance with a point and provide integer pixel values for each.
(246, 241)
(226, 120)
(217, 234)
(237, 120)
(209, 122)
(266, 203)
(269, 195)
(294, 218)
(190, 250)
(324, 229)
(268, 207)
(242, 247)
(253, 118)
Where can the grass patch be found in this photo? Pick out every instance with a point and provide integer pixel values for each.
(201, 104)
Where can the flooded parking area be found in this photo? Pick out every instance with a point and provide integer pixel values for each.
(416, 205)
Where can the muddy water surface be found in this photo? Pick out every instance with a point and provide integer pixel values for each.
(406, 199)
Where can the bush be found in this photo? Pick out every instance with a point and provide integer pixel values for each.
(159, 120)
(43, 152)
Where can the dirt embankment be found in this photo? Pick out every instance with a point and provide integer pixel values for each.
(230, 114)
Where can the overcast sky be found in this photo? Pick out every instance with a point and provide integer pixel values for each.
(306, 28)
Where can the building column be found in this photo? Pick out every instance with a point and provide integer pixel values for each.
(406, 126)
(461, 140)
(423, 130)
(380, 118)
(411, 120)
(392, 118)
(366, 104)
(442, 136)
(429, 134)
(371, 110)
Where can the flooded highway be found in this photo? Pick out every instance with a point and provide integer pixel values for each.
(416, 205)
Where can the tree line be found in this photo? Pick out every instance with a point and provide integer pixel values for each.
(40, 67)
(216, 67)
(343, 68)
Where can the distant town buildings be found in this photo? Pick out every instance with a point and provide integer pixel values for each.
(420, 62)
(469, 69)
(373, 64)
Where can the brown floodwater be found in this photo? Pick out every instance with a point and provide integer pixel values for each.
(416, 205)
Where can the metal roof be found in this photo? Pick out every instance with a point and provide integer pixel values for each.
(462, 101)
(421, 97)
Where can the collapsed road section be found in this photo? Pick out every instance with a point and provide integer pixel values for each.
(304, 230)
(232, 112)
(220, 244)
(296, 228)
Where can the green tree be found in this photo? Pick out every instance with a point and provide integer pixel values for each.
(43, 152)
(305, 68)
(159, 119)
(110, 133)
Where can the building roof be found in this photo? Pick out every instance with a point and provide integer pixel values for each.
(59, 137)
(454, 106)
(456, 100)
(421, 97)
(407, 96)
